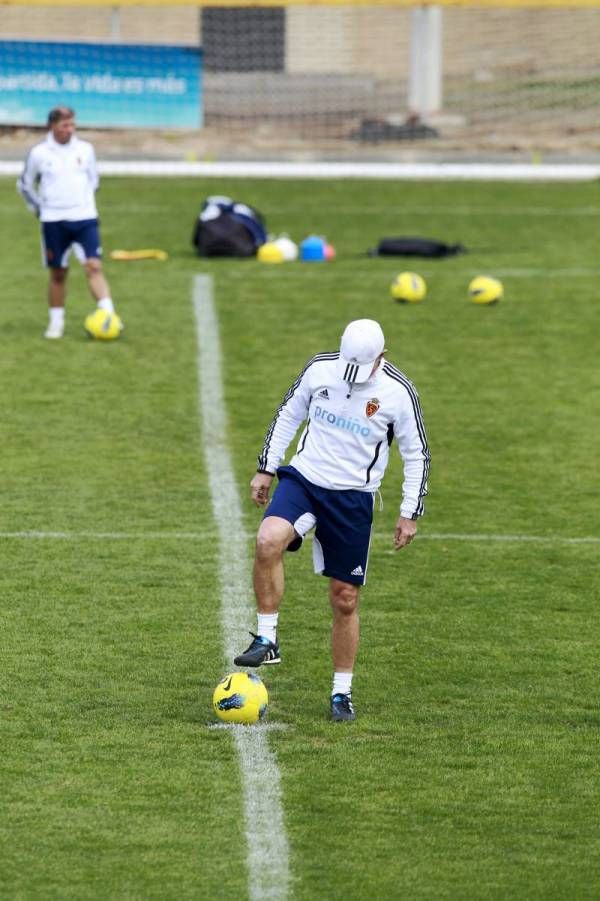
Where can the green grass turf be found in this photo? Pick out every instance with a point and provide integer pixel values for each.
(472, 770)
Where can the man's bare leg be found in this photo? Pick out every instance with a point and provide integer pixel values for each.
(345, 632)
(274, 535)
(96, 279)
(57, 292)
(345, 629)
(57, 287)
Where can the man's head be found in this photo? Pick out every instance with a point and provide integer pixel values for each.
(361, 350)
(61, 122)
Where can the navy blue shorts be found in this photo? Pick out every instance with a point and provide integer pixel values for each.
(344, 520)
(59, 237)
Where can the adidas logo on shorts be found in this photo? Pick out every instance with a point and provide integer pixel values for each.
(357, 571)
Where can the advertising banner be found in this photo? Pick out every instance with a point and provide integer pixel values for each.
(108, 85)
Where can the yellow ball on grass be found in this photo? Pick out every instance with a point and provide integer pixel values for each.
(485, 290)
(240, 698)
(103, 325)
(408, 287)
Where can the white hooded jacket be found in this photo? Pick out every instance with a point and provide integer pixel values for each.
(349, 430)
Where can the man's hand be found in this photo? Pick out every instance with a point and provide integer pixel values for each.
(260, 487)
(406, 529)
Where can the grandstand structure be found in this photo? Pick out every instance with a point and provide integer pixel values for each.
(354, 80)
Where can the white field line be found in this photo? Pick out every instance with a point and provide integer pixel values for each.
(267, 844)
(110, 536)
(537, 539)
(243, 537)
(349, 169)
(261, 727)
(548, 274)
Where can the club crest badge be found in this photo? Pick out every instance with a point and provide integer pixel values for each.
(372, 407)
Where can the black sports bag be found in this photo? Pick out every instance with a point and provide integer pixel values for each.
(225, 228)
(415, 247)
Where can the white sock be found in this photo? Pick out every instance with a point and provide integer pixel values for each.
(106, 304)
(267, 625)
(56, 315)
(342, 684)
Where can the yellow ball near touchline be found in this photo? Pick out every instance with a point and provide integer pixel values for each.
(103, 325)
(408, 287)
(485, 289)
(240, 698)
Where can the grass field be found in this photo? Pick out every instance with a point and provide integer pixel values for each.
(472, 771)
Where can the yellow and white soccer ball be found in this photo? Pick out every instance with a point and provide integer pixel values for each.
(485, 289)
(408, 287)
(240, 698)
(103, 325)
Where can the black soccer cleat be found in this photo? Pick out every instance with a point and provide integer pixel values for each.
(260, 652)
(342, 710)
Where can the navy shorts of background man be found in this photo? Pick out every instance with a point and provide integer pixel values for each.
(354, 406)
(58, 183)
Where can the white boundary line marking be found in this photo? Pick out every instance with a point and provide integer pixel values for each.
(244, 537)
(109, 536)
(524, 272)
(344, 169)
(538, 539)
(267, 844)
(262, 727)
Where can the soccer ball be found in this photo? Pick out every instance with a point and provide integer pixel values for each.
(485, 289)
(103, 325)
(408, 287)
(240, 698)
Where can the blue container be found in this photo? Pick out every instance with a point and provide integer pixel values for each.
(312, 249)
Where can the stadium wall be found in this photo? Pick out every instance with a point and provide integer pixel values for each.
(338, 38)
(517, 78)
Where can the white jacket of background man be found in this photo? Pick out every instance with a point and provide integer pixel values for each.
(349, 430)
(59, 181)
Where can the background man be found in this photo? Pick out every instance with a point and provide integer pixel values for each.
(355, 405)
(58, 183)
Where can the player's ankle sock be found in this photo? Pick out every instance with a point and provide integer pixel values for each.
(56, 316)
(267, 625)
(342, 684)
(106, 304)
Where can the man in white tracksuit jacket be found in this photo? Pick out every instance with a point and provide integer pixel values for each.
(58, 183)
(355, 405)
